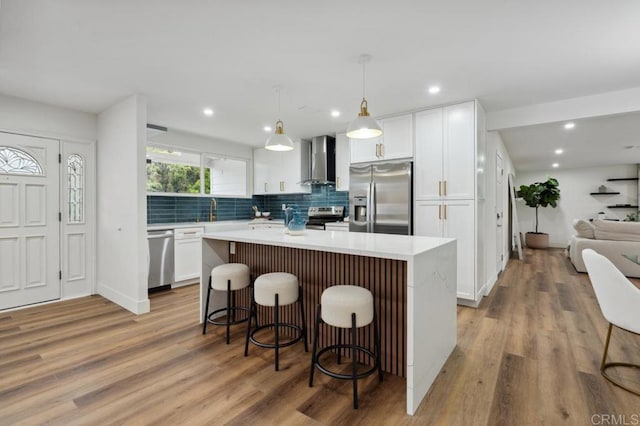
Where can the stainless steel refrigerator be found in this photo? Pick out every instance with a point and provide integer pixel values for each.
(380, 198)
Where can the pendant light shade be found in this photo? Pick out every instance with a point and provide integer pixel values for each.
(278, 141)
(364, 126)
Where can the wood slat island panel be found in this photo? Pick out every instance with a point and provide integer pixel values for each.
(317, 270)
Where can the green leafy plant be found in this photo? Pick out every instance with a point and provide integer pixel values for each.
(632, 217)
(541, 194)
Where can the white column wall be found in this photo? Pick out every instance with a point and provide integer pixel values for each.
(496, 146)
(121, 229)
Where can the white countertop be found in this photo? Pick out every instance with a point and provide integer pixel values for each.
(402, 247)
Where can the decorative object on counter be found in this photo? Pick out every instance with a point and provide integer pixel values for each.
(266, 214)
(536, 195)
(602, 188)
(279, 141)
(297, 224)
(364, 126)
(632, 217)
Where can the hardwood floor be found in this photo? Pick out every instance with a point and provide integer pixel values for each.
(528, 355)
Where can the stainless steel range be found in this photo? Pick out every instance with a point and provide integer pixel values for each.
(318, 216)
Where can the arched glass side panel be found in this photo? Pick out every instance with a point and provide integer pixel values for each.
(75, 188)
(14, 161)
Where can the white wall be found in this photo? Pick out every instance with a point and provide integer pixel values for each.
(121, 230)
(38, 119)
(185, 140)
(496, 146)
(575, 201)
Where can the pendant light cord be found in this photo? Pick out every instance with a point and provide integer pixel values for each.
(363, 79)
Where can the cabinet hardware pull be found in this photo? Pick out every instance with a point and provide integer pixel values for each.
(381, 150)
(439, 211)
(265, 187)
(445, 191)
(378, 150)
(445, 212)
(281, 186)
(338, 182)
(440, 187)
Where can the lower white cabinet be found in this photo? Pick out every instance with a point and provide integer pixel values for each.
(337, 226)
(452, 219)
(188, 255)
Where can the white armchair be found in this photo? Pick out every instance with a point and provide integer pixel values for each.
(619, 302)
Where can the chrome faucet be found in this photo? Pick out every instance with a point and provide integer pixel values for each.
(212, 207)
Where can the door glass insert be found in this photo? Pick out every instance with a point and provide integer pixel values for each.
(17, 162)
(75, 188)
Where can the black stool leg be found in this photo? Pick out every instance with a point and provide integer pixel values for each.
(252, 308)
(276, 320)
(206, 309)
(316, 330)
(353, 362)
(228, 308)
(304, 320)
(339, 331)
(376, 343)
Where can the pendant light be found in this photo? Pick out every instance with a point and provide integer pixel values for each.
(278, 141)
(364, 126)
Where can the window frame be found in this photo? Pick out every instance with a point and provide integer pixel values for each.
(203, 157)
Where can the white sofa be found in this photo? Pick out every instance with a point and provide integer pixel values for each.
(617, 241)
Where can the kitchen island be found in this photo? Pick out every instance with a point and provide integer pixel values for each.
(413, 280)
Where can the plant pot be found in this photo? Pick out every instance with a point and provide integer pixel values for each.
(537, 240)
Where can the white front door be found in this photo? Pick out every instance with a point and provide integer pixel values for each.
(29, 220)
(499, 213)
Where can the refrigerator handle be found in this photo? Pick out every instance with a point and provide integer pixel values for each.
(372, 210)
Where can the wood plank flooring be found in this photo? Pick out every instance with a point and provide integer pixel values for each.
(528, 355)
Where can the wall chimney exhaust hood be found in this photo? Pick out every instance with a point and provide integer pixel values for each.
(323, 161)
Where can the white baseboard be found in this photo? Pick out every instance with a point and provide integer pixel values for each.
(491, 282)
(136, 306)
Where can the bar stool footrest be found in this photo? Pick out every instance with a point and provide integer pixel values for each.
(210, 319)
(296, 339)
(335, 375)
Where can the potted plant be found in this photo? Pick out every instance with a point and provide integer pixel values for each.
(536, 195)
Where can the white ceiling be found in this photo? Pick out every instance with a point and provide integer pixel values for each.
(228, 55)
(598, 141)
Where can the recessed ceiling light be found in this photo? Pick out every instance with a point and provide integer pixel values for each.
(434, 89)
(208, 112)
(569, 125)
(335, 113)
(267, 128)
(559, 151)
(555, 165)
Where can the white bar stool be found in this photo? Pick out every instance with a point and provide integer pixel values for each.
(228, 277)
(346, 307)
(276, 289)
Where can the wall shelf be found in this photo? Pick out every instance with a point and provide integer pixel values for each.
(622, 207)
(619, 179)
(605, 193)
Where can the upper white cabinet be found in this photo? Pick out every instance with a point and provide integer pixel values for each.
(446, 153)
(343, 160)
(280, 172)
(395, 142)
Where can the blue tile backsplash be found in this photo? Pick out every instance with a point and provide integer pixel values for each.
(172, 209)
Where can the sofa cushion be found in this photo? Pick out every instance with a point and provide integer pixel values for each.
(584, 228)
(616, 231)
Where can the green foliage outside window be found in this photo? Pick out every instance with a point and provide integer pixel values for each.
(175, 178)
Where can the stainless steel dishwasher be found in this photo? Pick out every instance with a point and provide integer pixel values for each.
(161, 259)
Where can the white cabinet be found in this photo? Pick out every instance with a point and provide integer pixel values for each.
(395, 142)
(187, 254)
(265, 224)
(445, 187)
(343, 161)
(452, 219)
(280, 172)
(446, 153)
